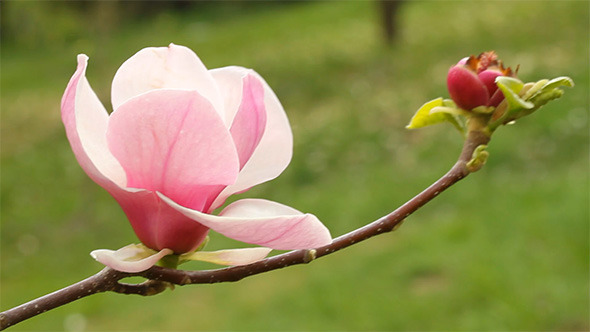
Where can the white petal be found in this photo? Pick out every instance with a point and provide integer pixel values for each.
(132, 258)
(172, 67)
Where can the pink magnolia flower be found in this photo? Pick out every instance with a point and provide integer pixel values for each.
(471, 82)
(180, 140)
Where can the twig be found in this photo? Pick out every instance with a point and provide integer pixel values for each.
(159, 278)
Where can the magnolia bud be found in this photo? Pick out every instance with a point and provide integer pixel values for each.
(471, 82)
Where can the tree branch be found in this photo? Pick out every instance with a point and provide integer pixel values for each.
(159, 278)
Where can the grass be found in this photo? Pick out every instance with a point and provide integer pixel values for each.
(506, 249)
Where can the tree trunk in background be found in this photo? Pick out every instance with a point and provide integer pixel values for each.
(389, 18)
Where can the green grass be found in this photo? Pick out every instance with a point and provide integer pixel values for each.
(505, 249)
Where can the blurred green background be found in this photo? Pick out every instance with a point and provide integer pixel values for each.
(505, 249)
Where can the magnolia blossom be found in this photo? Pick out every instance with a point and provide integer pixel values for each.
(180, 140)
(472, 81)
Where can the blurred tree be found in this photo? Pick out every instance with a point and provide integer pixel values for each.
(389, 18)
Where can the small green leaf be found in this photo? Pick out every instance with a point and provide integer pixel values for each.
(531, 88)
(533, 95)
(423, 118)
(545, 97)
(448, 110)
(559, 81)
(449, 107)
(510, 88)
(478, 158)
(511, 83)
(549, 87)
(449, 103)
(438, 111)
(453, 115)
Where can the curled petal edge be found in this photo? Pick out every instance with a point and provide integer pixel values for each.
(132, 258)
(85, 120)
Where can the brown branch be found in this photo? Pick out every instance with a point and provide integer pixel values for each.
(159, 278)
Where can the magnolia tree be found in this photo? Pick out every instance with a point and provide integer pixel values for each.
(181, 139)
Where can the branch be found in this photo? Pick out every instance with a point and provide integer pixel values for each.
(159, 278)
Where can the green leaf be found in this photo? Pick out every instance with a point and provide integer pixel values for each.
(438, 111)
(510, 88)
(533, 95)
(557, 82)
(448, 110)
(531, 88)
(478, 158)
(451, 103)
(454, 115)
(512, 83)
(423, 118)
(550, 88)
(545, 97)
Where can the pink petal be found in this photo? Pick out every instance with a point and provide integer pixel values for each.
(85, 121)
(172, 67)
(274, 151)
(496, 98)
(466, 89)
(234, 257)
(174, 142)
(159, 226)
(131, 258)
(264, 223)
(155, 223)
(488, 78)
(250, 121)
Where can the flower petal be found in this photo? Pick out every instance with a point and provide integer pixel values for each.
(488, 78)
(273, 152)
(85, 120)
(174, 142)
(172, 67)
(242, 256)
(132, 258)
(264, 223)
(466, 89)
(249, 123)
(159, 226)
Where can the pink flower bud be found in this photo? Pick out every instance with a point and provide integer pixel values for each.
(471, 82)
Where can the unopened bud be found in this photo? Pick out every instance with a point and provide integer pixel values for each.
(471, 82)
